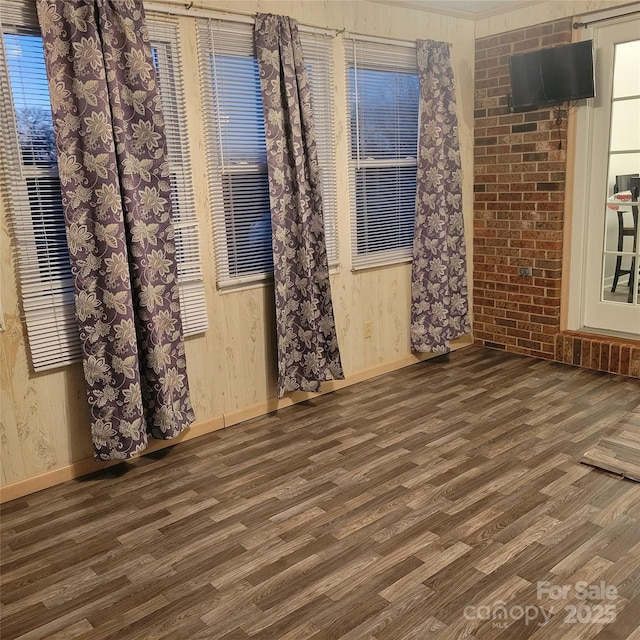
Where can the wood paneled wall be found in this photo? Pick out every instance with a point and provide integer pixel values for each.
(44, 421)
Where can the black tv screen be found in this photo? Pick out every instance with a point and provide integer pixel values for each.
(551, 76)
(526, 81)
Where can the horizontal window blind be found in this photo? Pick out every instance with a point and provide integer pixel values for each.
(383, 91)
(165, 48)
(236, 149)
(29, 163)
(317, 49)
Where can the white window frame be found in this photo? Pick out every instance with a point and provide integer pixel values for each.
(47, 296)
(230, 37)
(374, 54)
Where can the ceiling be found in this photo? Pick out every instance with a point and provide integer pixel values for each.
(464, 8)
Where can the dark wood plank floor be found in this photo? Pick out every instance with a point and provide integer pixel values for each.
(408, 507)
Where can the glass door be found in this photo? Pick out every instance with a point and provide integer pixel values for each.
(620, 264)
(612, 265)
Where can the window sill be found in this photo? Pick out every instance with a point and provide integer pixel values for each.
(257, 282)
(614, 336)
(381, 264)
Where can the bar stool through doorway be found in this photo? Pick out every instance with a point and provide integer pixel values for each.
(629, 182)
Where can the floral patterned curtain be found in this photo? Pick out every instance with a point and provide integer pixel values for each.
(116, 198)
(439, 297)
(307, 342)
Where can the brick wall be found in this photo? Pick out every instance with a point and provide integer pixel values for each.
(519, 201)
(519, 196)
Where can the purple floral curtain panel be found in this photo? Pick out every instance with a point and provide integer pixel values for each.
(308, 351)
(439, 297)
(116, 197)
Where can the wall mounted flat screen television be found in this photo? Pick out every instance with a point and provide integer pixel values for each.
(548, 77)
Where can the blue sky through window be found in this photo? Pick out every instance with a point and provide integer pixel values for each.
(387, 110)
(240, 107)
(30, 91)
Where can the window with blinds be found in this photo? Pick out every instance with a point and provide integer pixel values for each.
(236, 146)
(318, 57)
(383, 90)
(31, 176)
(165, 51)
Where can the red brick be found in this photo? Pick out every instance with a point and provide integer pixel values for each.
(529, 345)
(604, 357)
(556, 38)
(538, 31)
(511, 36)
(634, 363)
(550, 206)
(595, 355)
(484, 197)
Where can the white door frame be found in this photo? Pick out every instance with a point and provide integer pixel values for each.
(588, 220)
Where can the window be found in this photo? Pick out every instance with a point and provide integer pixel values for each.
(318, 57)
(165, 49)
(383, 91)
(237, 151)
(31, 175)
(30, 172)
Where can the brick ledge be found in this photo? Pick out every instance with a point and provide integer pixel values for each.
(603, 353)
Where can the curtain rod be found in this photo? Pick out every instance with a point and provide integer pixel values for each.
(615, 16)
(226, 14)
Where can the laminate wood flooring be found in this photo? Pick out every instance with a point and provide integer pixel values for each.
(619, 450)
(445, 500)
